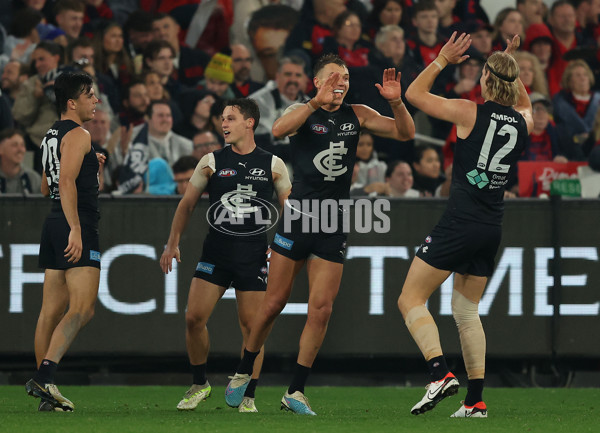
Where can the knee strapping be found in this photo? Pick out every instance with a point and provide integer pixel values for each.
(424, 331)
(472, 336)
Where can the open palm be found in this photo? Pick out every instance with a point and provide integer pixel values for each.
(390, 89)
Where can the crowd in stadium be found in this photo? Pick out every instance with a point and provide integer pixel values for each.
(163, 69)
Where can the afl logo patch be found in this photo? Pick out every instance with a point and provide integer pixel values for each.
(319, 129)
(347, 127)
(227, 172)
(263, 269)
(257, 172)
(428, 239)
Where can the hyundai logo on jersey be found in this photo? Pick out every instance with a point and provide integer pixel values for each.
(257, 172)
(319, 129)
(227, 172)
(347, 127)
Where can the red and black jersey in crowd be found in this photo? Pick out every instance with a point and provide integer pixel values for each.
(355, 57)
(191, 66)
(558, 64)
(248, 88)
(309, 36)
(422, 53)
(93, 16)
(542, 147)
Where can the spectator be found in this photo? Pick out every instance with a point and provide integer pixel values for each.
(138, 34)
(196, 106)
(563, 25)
(183, 169)
(539, 41)
(346, 40)
(159, 178)
(69, 17)
(12, 78)
(428, 178)
(426, 43)
(156, 90)
(23, 35)
(34, 108)
(96, 11)
(399, 179)
(218, 76)
(154, 139)
(274, 98)
(509, 22)
(587, 13)
(575, 108)
(158, 57)
(100, 133)
(215, 121)
(447, 19)
(531, 73)
(481, 36)
(268, 29)
(80, 52)
(189, 63)
(14, 177)
(111, 57)
(384, 13)
(371, 169)
(205, 142)
(241, 62)
(532, 12)
(543, 140)
(135, 104)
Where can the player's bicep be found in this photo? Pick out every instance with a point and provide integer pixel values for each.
(457, 111)
(73, 149)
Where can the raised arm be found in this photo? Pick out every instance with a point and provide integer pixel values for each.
(294, 118)
(73, 148)
(281, 180)
(184, 211)
(458, 111)
(523, 105)
(402, 126)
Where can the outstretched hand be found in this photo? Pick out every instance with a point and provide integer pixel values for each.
(512, 46)
(455, 48)
(325, 93)
(391, 89)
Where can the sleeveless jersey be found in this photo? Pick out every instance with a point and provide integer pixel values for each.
(240, 192)
(87, 180)
(323, 154)
(482, 162)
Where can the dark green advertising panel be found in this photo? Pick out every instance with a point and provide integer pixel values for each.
(533, 304)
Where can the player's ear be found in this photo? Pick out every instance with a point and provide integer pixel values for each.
(250, 122)
(71, 104)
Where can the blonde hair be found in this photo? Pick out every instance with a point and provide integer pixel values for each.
(539, 83)
(564, 82)
(504, 92)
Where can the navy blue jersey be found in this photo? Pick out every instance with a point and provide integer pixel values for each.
(323, 154)
(482, 162)
(239, 191)
(87, 180)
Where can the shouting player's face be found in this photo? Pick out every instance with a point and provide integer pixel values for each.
(234, 125)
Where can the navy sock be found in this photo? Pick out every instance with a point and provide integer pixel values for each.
(299, 380)
(46, 372)
(437, 368)
(474, 392)
(199, 372)
(251, 388)
(247, 363)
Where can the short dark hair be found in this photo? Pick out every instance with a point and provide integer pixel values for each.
(248, 108)
(139, 21)
(70, 85)
(273, 17)
(327, 59)
(154, 47)
(10, 132)
(392, 166)
(424, 5)
(68, 5)
(82, 41)
(184, 164)
(134, 82)
(421, 149)
(158, 102)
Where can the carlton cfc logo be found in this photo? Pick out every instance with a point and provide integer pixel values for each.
(227, 172)
(319, 129)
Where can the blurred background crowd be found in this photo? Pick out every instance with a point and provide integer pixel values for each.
(163, 69)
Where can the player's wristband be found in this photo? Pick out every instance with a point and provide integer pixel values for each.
(438, 64)
(311, 106)
(396, 102)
